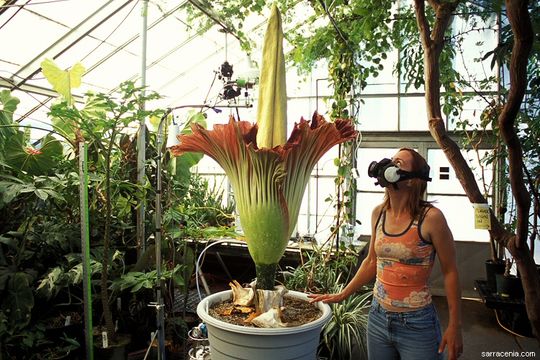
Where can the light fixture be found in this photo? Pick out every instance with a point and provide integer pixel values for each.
(172, 134)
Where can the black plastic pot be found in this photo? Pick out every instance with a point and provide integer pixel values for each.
(509, 286)
(492, 269)
(117, 351)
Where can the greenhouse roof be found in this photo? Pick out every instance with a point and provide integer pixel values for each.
(182, 63)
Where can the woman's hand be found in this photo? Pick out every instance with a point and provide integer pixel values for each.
(326, 298)
(452, 338)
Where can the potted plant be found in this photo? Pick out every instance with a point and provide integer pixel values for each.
(344, 336)
(508, 285)
(268, 175)
(103, 123)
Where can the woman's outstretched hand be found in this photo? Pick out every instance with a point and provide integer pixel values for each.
(326, 298)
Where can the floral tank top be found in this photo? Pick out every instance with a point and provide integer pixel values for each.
(404, 264)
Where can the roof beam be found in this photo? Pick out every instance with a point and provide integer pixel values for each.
(73, 36)
(34, 89)
(132, 39)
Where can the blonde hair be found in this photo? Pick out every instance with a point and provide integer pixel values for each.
(417, 189)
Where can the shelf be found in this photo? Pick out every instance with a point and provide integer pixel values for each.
(496, 301)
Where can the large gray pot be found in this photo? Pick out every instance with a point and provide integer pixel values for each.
(228, 341)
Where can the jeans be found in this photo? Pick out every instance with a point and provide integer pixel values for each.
(403, 335)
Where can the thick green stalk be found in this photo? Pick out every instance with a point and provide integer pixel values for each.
(266, 276)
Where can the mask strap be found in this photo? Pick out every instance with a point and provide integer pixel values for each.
(406, 175)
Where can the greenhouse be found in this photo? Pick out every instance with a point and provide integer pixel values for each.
(272, 180)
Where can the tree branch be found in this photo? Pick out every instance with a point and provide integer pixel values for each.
(519, 19)
(423, 25)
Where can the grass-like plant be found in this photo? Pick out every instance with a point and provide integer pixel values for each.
(345, 334)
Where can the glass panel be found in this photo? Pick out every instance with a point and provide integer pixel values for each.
(37, 118)
(386, 81)
(459, 214)
(69, 13)
(472, 111)
(26, 35)
(412, 114)
(473, 47)
(378, 114)
(366, 202)
(444, 177)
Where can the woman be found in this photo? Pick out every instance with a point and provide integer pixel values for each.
(407, 233)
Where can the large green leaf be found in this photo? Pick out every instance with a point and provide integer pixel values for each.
(63, 81)
(180, 166)
(19, 300)
(8, 105)
(41, 161)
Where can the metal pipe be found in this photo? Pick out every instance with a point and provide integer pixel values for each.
(160, 316)
(85, 248)
(141, 138)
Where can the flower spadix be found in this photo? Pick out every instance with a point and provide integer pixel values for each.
(272, 102)
(267, 174)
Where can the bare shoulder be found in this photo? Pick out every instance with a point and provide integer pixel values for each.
(377, 210)
(435, 223)
(434, 215)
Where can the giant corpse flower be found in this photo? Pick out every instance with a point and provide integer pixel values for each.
(267, 174)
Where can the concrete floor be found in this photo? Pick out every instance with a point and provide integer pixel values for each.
(482, 334)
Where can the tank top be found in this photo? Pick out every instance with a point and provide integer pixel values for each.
(404, 264)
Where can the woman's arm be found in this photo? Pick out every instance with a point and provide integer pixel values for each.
(366, 272)
(435, 228)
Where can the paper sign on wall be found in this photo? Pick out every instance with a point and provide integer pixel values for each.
(482, 216)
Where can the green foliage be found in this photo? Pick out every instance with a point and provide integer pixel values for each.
(63, 81)
(29, 189)
(61, 348)
(19, 300)
(39, 202)
(320, 273)
(196, 210)
(345, 334)
(62, 277)
(527, 120)
(135, 280)
(8, 105)
(39, 161)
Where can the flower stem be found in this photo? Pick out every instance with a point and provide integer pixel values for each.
(266, 276)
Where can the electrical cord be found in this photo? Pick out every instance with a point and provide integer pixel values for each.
(197, 267)
(504, 327)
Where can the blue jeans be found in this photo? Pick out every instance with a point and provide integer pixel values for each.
(403, 335)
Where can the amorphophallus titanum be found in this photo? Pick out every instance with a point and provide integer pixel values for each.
(267, 174)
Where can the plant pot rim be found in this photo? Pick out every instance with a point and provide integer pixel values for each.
(202, 311)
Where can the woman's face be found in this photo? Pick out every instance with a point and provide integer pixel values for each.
(404, 160)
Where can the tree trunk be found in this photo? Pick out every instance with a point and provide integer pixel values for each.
(432, 44)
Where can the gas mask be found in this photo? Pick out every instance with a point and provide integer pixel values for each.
(387, 173)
